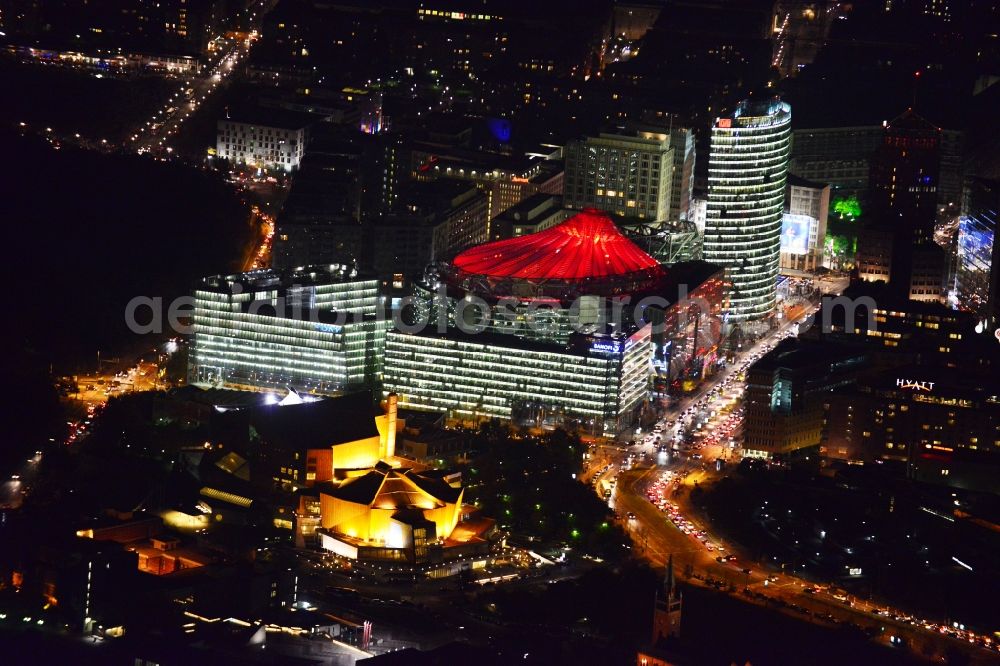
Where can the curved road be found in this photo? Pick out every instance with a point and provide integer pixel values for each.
(656, 538)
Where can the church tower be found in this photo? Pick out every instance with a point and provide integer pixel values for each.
(667, 608)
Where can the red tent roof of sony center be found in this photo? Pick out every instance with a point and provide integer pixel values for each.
(587, 245)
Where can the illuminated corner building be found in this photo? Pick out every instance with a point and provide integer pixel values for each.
(747, 166)
(933, 424)
(315, 329)
(803, 227)
(547, 356)
(627, 175)
(399, 515)
(783, 409)
(977, 279)
(271, 139)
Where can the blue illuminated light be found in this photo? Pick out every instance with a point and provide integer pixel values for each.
(500, 129)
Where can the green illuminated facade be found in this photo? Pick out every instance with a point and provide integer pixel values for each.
(848, 207)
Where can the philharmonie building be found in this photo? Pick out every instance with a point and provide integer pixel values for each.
(562, 327)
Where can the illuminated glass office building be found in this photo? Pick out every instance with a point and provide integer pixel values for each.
(313, 329)
(976, 239)
(977, 278)
(747, 167)
(593, 383)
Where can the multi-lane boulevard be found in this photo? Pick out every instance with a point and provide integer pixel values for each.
(153, 136)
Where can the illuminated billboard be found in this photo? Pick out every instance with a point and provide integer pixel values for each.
(499, 128)
(795, 233)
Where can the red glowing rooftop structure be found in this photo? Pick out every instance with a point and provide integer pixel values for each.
(587, 245)
(585, 255)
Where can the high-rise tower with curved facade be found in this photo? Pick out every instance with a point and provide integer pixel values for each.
(747, 167)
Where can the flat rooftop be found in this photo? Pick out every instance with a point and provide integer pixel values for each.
(270, 278)
(271, 117)
(795, 354)
(532, 208)
(799, 181)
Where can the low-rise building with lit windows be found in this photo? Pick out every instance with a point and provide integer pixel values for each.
(930, 423)
(783, 409)
(315, 329)
(265, 138)
(899, 330)
(594, 383)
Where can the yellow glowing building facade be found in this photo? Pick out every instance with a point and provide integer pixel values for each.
(388, 514)
(367, 452)
(316, 442)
